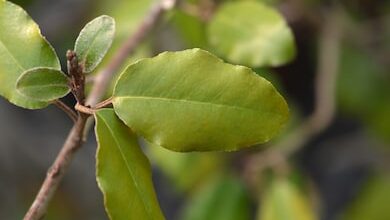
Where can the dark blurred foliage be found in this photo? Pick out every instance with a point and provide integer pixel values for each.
(343, 172)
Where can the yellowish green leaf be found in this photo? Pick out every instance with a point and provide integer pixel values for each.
(283, 201)
(251, 33)
(22, 47)
(193, 101)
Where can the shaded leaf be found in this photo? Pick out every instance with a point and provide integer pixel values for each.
(193, 101)
(22, 47)
(123, 172)
(371, 101)
(190, 28)
(221, 199)
(283, 201)
(186, 171)
(43, 84)
(251, 33)
(94, 41)
(372, 203)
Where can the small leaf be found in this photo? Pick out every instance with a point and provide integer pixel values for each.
(43, 84)
(94, 41)
(251, 33)
(22, 47)
(192, 101)
(283, 201)
(224, 198)
(123, 172)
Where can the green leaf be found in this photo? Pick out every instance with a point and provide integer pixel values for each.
(372, 203)
(186, 171)
(43, 84)
(283, 201)
(221, 199)
(94, 41)
(123, 172)
(193, 101)
(190, 28)
(251, 33)
(22, 47)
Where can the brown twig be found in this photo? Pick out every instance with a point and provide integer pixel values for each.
(91, 111)
(72, 115)
(324, 109)
(75, 137)
(57, 171)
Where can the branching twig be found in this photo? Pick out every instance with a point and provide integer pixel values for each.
(324, 109)
(75, 137)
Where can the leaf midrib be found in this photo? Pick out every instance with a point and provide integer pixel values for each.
(187, 101)
(44, 86)
(128, 167)
(91, 45)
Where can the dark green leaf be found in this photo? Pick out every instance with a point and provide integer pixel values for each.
(222, 199)
(123, 172)
(43, 84)
(187, 170)
(193, 101)
(22, 47)
(94, 41)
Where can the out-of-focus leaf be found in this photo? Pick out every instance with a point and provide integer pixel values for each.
(191, 29)
(193, 101)
(187, 171)
(372, 203)
(94, 41)
(43, 84)
(123, 172)
(364, 89)
(283, 201)
(22, 47)
(221, 199)
(251, 33)
(128, 16)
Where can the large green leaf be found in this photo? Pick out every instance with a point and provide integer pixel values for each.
(251, 33)
(193, 101)
(22, 47)
(94, 41)
(221, 199)
(283, 201)
(123, 172)
(43, 84)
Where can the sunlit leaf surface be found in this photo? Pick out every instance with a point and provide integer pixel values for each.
(193, 101)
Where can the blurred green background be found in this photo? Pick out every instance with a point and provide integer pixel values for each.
(340, 173)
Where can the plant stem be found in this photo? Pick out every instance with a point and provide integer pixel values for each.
(75, 138)
(57, 170)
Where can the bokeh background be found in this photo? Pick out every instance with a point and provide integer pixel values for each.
(341, 170)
